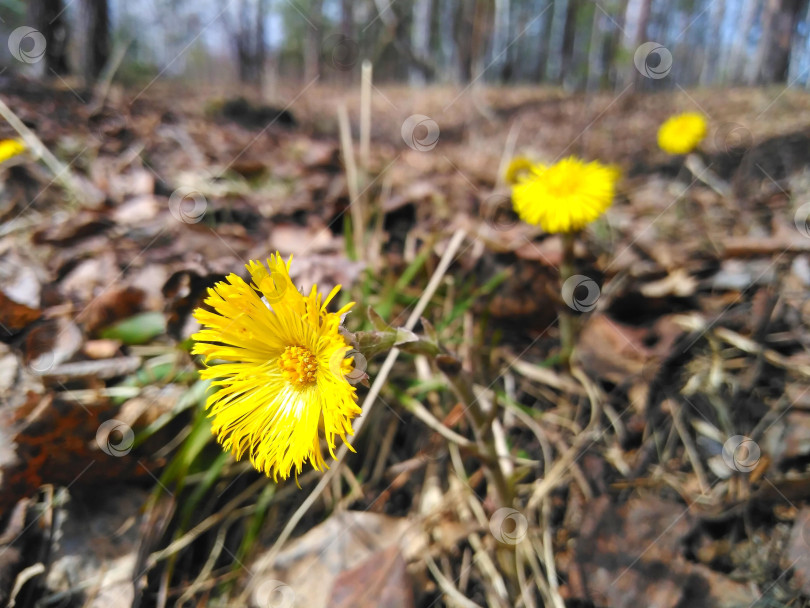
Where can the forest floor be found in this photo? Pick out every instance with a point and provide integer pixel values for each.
(667, 466)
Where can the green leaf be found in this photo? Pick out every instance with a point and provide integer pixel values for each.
(138, 329)
(377, 321)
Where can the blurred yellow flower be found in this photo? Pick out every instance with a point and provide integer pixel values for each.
(566, 196)
(283, 376)
(680, 134)
(9, 148)
(518, 168)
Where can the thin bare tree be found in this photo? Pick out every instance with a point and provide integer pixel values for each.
(94, 21)
(48, 17)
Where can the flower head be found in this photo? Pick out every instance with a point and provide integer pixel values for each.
(566, 196)
(9, 148)
(283, 368)
(680, 134)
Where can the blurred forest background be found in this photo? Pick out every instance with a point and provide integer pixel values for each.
(171, 141)
(581, 44)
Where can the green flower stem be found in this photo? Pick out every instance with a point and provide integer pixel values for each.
(568, 322)
(371, 343)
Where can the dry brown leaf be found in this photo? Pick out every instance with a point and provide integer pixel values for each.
(380, 580)
(338, 545)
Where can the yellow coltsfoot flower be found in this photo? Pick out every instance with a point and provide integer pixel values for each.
(681, 134)
(283, 375)
(566, 196)
(9, 148)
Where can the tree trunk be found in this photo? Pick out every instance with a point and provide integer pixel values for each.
(645, 7)
(757, 69)
(447, 44)
(248, 37)
(481, 36)
(260, 50)
(420, 39)
(347, 19)
(95, 45)
(613, 44)
(800, 54)
(569, 39)
(596, 51)
(772, 59)
(500, 40)
(47, 17)
(465, 18)
(640, 37)
(713, 44)
(543, 40)
(312, 45)
(557, 40)
(738, 54)
(246, 44)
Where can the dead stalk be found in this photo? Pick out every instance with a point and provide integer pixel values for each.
(352, 180)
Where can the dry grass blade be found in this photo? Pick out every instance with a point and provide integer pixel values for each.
(454, 595)
(352, 181)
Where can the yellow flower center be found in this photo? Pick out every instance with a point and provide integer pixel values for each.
(561, 188)
(298, 365)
